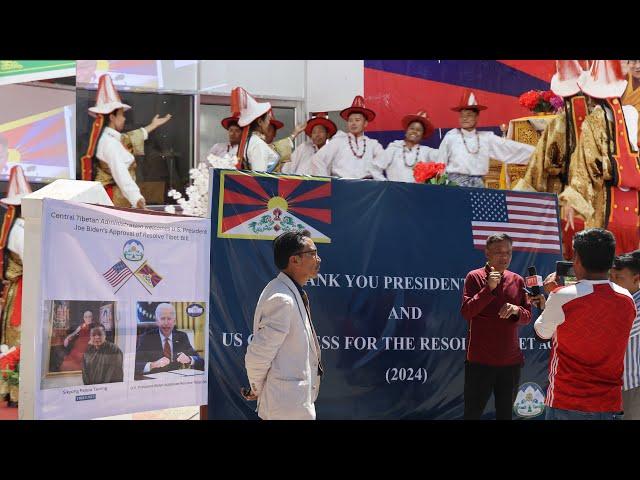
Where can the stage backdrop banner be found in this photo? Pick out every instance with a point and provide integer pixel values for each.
(128, 272)
(386, 305)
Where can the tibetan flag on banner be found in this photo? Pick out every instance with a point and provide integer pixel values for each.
(147, 276)
(39, 143)
(132, 73)
(262, 206)
(15, 71)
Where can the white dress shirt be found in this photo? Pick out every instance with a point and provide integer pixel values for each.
(336, 159)
(398, 161)
(473, 159)
(300, 163)
(111, 151)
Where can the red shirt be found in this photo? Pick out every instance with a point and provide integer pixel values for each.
(492, 340)
(589, 323)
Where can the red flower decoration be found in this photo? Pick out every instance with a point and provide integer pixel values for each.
(425, 171)
(529, 99)
(10, 360)
(548, 95)
(540, 102)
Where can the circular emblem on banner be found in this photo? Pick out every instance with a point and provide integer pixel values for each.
(529, 401)
(133, 251)
(195, 310)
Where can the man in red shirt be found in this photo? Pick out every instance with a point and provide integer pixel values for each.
(589, 324)
(494, 305)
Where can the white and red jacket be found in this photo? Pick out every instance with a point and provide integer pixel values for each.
(589, 324)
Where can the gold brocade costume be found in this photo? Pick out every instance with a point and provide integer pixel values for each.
(10, 334)
(631, 96)
(547, 160)
(590, 168)
(134, 142)
(284, 149)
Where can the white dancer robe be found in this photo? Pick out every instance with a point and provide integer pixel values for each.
(222, 149)
(111, 151)
(399, 167)
(458, 159)
(300, 163)
(337, 160)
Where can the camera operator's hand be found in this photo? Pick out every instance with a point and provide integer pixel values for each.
(493, 279)
(550, 283)
(538, 301)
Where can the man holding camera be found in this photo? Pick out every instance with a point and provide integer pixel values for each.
(589, 324)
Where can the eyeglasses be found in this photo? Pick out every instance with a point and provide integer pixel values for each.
(315, 252)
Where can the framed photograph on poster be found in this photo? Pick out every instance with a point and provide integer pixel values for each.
(82, 344)
(170, 338)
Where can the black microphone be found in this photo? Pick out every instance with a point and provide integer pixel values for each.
(534, 281)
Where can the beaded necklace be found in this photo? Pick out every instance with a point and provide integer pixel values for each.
(465, 142)
(404, 158)
(364, 141)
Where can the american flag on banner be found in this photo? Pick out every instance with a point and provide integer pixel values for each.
(530, 220)
(117, 274)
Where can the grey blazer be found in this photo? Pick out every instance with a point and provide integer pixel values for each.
(282, 358)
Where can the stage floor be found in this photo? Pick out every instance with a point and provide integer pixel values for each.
(184, 413)
(7, 413)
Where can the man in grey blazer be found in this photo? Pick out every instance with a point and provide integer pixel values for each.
(283, 359)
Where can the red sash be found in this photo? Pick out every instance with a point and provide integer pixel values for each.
(622, 206)
(624, 161)
(622, 218)
(579, 112)
(86, 162)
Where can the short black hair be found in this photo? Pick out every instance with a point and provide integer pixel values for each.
(497, 238)
(287, 244)
(628, 260)
(596, 248)
(97, 325)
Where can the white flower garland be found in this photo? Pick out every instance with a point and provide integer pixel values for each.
(198, 192)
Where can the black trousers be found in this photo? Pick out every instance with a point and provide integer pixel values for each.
(482, 380)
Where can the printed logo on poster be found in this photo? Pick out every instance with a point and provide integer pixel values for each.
(194, 310)
(258, 206)
(120, 273)
(529, 401)
(133, 251)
